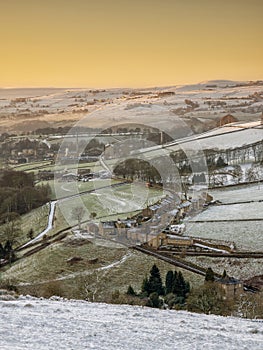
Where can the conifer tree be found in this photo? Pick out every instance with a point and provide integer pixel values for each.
(209, 276)
(176, 289)
(155, 281)
(169, 282)
(181, 285)
(145, 286)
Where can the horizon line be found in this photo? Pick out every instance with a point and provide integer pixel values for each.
(130, 87)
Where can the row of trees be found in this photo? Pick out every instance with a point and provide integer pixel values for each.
(137, 169)
(220, 177)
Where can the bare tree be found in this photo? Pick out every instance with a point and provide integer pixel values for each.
(77, 214)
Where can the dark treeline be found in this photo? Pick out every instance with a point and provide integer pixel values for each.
(18, 193)
(137, 169)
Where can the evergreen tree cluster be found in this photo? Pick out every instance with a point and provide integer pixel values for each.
(174, 291)
(137, 168)
(176, 288)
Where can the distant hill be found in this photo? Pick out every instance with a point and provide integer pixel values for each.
(198, 105)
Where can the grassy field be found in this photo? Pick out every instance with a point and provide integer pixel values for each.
(36, 219)
(112, 203)
(101, 270)
(239, 268)
(67, 189)
(108, 203)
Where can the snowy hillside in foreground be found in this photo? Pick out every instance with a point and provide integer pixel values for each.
(30, 323)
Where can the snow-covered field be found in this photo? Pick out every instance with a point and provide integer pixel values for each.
(246, 234)
(30, 323)
(239, 194)
(248, 211)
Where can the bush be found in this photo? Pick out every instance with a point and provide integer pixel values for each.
(208, 299)
(154, 300)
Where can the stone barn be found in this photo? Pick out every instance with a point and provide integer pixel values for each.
(231, 287)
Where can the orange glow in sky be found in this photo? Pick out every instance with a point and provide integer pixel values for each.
(135, 43)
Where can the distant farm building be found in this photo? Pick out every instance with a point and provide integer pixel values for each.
(164, 205)
(108, 228)
(227, 119)
(231, 287)
(170, 240)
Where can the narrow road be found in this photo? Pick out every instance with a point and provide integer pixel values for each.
(49, 225)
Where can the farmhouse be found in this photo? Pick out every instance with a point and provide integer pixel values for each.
(160, 207)
(107, 228)
(170, 240)
(119, 227)
(230, 286)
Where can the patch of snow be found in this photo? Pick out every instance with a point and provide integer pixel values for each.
(210, 248)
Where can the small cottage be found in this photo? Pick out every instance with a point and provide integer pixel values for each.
(230, 286)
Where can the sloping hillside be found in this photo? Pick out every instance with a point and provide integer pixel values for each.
(30, 323)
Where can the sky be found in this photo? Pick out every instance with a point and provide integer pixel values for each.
(135, 43)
